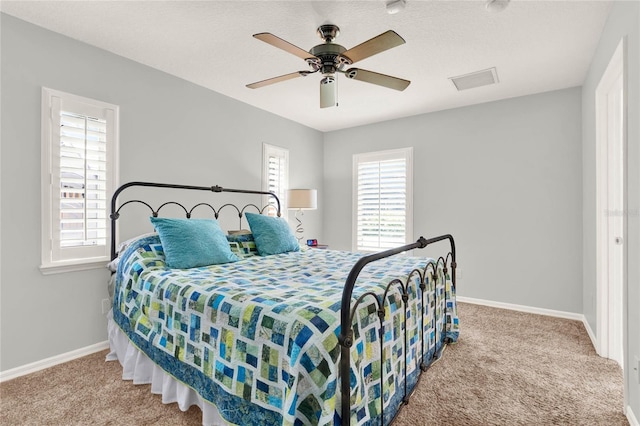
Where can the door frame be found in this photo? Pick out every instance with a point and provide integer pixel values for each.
(616, 66)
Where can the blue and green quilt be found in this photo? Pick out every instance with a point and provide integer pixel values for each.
(258, 338)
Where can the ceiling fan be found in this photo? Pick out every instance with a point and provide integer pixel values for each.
(330, 58)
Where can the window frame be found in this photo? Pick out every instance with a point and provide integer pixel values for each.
(275, 151)
(56, 259)
(379, 156)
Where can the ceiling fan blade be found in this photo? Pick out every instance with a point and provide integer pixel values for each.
(328, 92)
(377, 78)
(380, 43)
(284, 45)
(278, 79)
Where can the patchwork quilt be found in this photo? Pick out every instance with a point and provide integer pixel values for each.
(258, 338)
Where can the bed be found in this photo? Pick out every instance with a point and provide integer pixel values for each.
(297, 337)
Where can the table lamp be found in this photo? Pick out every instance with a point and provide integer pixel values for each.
(302, 199)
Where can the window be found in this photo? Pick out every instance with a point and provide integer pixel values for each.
(382, 199)
(275, 176)
(79, 146)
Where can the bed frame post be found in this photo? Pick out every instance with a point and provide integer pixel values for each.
(346, 331)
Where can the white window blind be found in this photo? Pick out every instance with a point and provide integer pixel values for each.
(78, 156)
(382, 199)
(83, 181)
(275, 176)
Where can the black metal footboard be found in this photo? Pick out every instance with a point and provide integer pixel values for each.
(348, 311)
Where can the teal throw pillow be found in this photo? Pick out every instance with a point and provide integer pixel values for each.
(189, 243)
(272, 235)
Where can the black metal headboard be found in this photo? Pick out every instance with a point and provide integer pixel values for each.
(115, 210)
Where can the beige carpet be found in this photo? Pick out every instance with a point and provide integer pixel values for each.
(509, 368)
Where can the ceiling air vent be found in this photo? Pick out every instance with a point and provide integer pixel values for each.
(475, 79)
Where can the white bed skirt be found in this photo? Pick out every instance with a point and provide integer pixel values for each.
(138, 367)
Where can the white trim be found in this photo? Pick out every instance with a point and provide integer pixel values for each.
(592, 335)
(633, 420)
(53, 258)
(617, 66)
(73, 266)
(522, 308)
(391, 154)
(614, 69)
(275, 151)
(50, 362)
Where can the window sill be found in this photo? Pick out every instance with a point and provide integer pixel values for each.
(73, 266)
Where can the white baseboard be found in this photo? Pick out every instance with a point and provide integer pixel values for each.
(633, 420)
(50, 362)
(591, 334)
(522, 308)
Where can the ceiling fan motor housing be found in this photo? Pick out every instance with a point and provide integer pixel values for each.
(328, 54)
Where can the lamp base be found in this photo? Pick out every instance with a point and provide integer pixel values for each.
(299, 228)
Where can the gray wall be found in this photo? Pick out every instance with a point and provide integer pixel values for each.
(170, 131)
(623, 21)
(505, 178)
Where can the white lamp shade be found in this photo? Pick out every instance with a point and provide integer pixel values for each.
(304, 199)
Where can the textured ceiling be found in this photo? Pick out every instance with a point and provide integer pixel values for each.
(536, 46)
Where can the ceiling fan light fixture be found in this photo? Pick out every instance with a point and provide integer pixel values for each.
(496, 5)
(328, 92)
(395, 6)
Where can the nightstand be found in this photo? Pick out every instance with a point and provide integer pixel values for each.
(319, 246)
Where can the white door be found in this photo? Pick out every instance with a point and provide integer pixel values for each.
(615, 217)
(610, 199)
